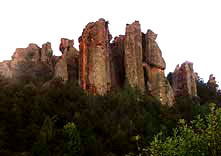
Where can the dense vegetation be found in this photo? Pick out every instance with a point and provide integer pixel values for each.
(63, 120)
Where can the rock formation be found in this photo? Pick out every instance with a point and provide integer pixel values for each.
(212, 82)
(5, 69)
(117, 62)
(94, 57)
(67, 65)
(133, 59)
(184, 80)
(156, 83)
(28, 62)
(46, 53)
(133, 56)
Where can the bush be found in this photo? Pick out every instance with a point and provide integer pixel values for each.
(71, 140)
(199, 138)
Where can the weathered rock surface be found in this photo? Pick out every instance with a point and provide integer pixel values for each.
(156, 83)
(133, 56)
(158, 86)
(94, 57)
(184, 80)
(212, 82)
(5, 69)
(46, 53)
(27, 62)
(152, 53)
(67, 66)
(117, 62)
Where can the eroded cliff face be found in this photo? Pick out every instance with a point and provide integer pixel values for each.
(184, 80)
(67, 66)
(133, 59)
(94, 57)
(212, 82)
(30, 61)
(134, 74)
(117, 62)
(156, 83)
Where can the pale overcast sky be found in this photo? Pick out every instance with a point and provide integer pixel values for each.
(188, 30)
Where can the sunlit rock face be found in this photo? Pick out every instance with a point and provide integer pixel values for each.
(5, 69)
(212, 82)
(27, 62)
(156, 83)
(46, 53)
(94, 57)
(133, 56)
(184, 80)
(30, 54)
(67, 65)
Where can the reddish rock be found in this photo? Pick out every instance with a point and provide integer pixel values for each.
(212, 82)
(5, 69)
(46, 53)
(156, 83)
(117, 62)
(31, 53)
(184, 80)
(94, 57)
(152, 52)
(67, 65)
(133, 56)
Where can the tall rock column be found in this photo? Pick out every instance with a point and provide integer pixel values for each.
(154, 66)
(133, 56)
(46, 53)
(67, 65)
(94, 57)
(184, 80)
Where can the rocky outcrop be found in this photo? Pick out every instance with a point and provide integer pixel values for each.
(46, 53)
(133, 56)
(152, 53)
(67, 66)
(28, 62)
(94, 57)
(32, 54)
(117, 62)
(156, 83)
(184, 80)
(212, 82)
(5, 69)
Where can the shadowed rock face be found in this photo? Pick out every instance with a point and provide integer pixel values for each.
(94, 57)
(117, 62)
(31, 61)
(133, 56)
(184, 80)
(156, 83)
(67, 65)
(212, 82)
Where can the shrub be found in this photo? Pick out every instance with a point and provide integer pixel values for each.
(71, 140)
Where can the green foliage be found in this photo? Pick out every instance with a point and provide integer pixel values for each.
(71, 140)
(199, 138)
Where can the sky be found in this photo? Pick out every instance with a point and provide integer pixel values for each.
(188, 30)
